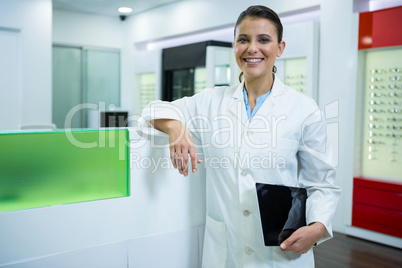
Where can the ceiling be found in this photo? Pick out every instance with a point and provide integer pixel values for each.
(108, 7)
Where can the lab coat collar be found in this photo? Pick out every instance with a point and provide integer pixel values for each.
(238, 93)
(278, 89)
(237, 107)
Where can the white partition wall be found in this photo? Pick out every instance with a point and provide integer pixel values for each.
(298, 65)
(221, 67)
(147, 76)
(10, 88)
(25, 63)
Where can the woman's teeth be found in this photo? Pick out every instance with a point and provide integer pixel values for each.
(253, 60)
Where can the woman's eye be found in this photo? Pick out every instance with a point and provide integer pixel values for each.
(242, 40)
(264, 40)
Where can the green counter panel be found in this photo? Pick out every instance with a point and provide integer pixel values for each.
(39, 169)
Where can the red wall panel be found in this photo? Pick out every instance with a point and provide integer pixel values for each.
(378, 228)
(377, 198)
(378, 184)
(387, 27)
(380, 216)
(380, 28)
(365, 30)
(377, 206)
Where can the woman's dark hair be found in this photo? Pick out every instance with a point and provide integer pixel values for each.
(261, 12)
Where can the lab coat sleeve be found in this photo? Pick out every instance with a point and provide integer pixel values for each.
(316, 173)
(189, 110)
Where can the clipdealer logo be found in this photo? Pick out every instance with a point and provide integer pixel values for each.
(228, 135)
(269, 161)
(230, 140)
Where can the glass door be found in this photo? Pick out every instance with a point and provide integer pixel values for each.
(101, 79)
(83, 76)
(182, 83)
(67, 84)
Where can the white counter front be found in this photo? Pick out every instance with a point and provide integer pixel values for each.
(160, 223)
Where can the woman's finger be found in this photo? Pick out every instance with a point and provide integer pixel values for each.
(179, 162)
(173, 156)
(194, 160)
(185, 161)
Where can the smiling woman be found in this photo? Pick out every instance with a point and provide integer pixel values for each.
(256, 47)
(267, 28)
(233, 233)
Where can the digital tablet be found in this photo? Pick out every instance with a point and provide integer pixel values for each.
(282, 211)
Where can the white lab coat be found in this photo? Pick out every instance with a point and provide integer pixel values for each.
(285, 144)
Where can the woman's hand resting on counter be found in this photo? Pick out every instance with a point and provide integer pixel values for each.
(180, 143)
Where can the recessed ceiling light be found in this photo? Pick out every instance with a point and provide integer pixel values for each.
(125, 9)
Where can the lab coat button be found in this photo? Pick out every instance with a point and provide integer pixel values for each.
(244, 173)
(246, 213)
(248, 250)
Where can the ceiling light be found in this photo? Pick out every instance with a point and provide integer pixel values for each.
(125, 9)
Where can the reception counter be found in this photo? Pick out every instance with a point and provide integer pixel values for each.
(41, 169)
(97, 198)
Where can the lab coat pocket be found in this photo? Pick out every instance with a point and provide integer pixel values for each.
(214, 252)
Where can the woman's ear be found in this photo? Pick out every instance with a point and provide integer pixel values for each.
(281, 48)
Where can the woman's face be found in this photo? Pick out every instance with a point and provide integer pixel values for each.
(256, 47)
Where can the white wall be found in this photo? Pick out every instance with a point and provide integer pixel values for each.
(199, 15)
(73, 28)
(33, 20)
(10, 85)
(338, 79)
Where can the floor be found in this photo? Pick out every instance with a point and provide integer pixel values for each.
(344, 251)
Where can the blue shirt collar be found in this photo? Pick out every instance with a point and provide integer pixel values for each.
(260, 100)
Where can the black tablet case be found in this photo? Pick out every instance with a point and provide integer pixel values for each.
(282, 211)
